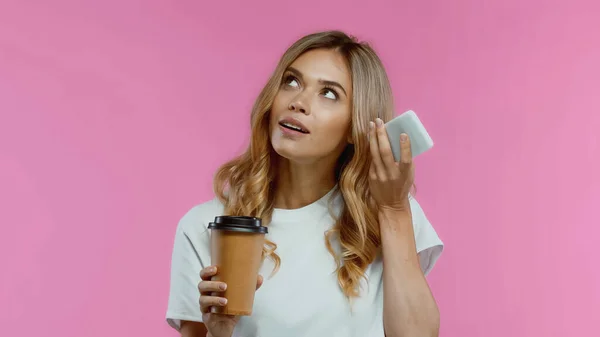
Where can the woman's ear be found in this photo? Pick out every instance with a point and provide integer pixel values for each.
(349, 138)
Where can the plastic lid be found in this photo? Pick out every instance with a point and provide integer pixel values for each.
(238, 224)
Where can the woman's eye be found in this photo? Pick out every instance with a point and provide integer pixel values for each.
(291, 81)
(328, 93)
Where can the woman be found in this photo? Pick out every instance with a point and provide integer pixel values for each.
(319, 170)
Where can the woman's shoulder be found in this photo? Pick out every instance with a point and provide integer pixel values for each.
(198, 217)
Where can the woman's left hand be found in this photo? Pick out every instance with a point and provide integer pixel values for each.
(390, 181)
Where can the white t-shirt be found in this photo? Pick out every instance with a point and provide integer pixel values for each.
(303, 299)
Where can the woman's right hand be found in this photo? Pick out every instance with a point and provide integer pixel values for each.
(218, 325)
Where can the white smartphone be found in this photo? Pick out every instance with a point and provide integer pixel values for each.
(408, 123)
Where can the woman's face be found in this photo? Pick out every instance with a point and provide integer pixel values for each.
(311, 115)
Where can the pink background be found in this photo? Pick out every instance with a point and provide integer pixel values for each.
(107, 110)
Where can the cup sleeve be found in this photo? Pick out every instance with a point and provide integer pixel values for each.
(429, 244)
(189, 255)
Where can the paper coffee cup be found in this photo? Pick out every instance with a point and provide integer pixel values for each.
(236, 250)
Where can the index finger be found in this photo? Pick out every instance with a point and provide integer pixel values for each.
(385, 148)
(207, 273)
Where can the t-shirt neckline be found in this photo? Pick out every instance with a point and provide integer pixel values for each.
(311, 209)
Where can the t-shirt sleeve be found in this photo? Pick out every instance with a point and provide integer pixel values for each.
(190, 254)
(429, 244)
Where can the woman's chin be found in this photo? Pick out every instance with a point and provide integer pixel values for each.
(290, 152)
(287, 152)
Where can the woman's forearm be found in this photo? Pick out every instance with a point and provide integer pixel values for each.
(409, 309)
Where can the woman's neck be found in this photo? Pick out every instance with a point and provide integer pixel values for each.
(300, 185)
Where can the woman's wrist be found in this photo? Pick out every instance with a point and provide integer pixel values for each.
(396, 220)
(208, 334)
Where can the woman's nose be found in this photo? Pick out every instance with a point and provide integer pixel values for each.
(298, 105)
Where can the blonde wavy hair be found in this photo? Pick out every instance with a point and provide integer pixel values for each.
(246, 184)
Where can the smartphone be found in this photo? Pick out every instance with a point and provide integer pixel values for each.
(408, 123)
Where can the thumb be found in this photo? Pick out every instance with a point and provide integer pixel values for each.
(259, 281)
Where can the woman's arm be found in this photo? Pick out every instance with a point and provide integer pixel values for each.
(193, 329)
(409, 309)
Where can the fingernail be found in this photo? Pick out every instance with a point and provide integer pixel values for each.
(222, 286)
(403, 137)
(371, 125)
(379, 122)
(223, 301)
